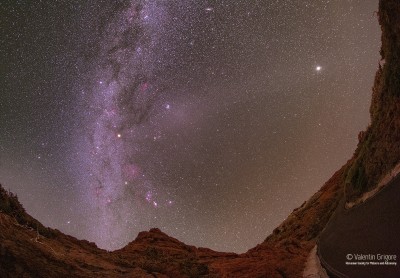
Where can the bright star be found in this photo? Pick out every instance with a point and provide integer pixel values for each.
(318, 68)
(119, 135)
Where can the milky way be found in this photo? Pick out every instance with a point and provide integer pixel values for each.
(126, 88)
(211, 120)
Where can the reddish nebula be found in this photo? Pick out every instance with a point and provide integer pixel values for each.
(131, 171)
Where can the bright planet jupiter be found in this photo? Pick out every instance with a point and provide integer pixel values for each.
(211, 120)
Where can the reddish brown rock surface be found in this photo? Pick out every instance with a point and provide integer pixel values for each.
(28, 249)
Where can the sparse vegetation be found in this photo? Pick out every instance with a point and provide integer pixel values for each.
(10, 205)
(192, 268)
(378, 150)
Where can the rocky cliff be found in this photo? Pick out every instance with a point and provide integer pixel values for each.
(378, 150)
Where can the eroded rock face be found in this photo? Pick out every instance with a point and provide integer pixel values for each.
(378, 150)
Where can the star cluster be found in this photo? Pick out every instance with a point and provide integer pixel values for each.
(211, 120)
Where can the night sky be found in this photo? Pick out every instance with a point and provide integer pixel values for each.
(211, 120)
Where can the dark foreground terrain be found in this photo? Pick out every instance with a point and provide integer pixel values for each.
(369, 228)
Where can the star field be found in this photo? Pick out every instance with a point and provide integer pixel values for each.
(211, 120)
